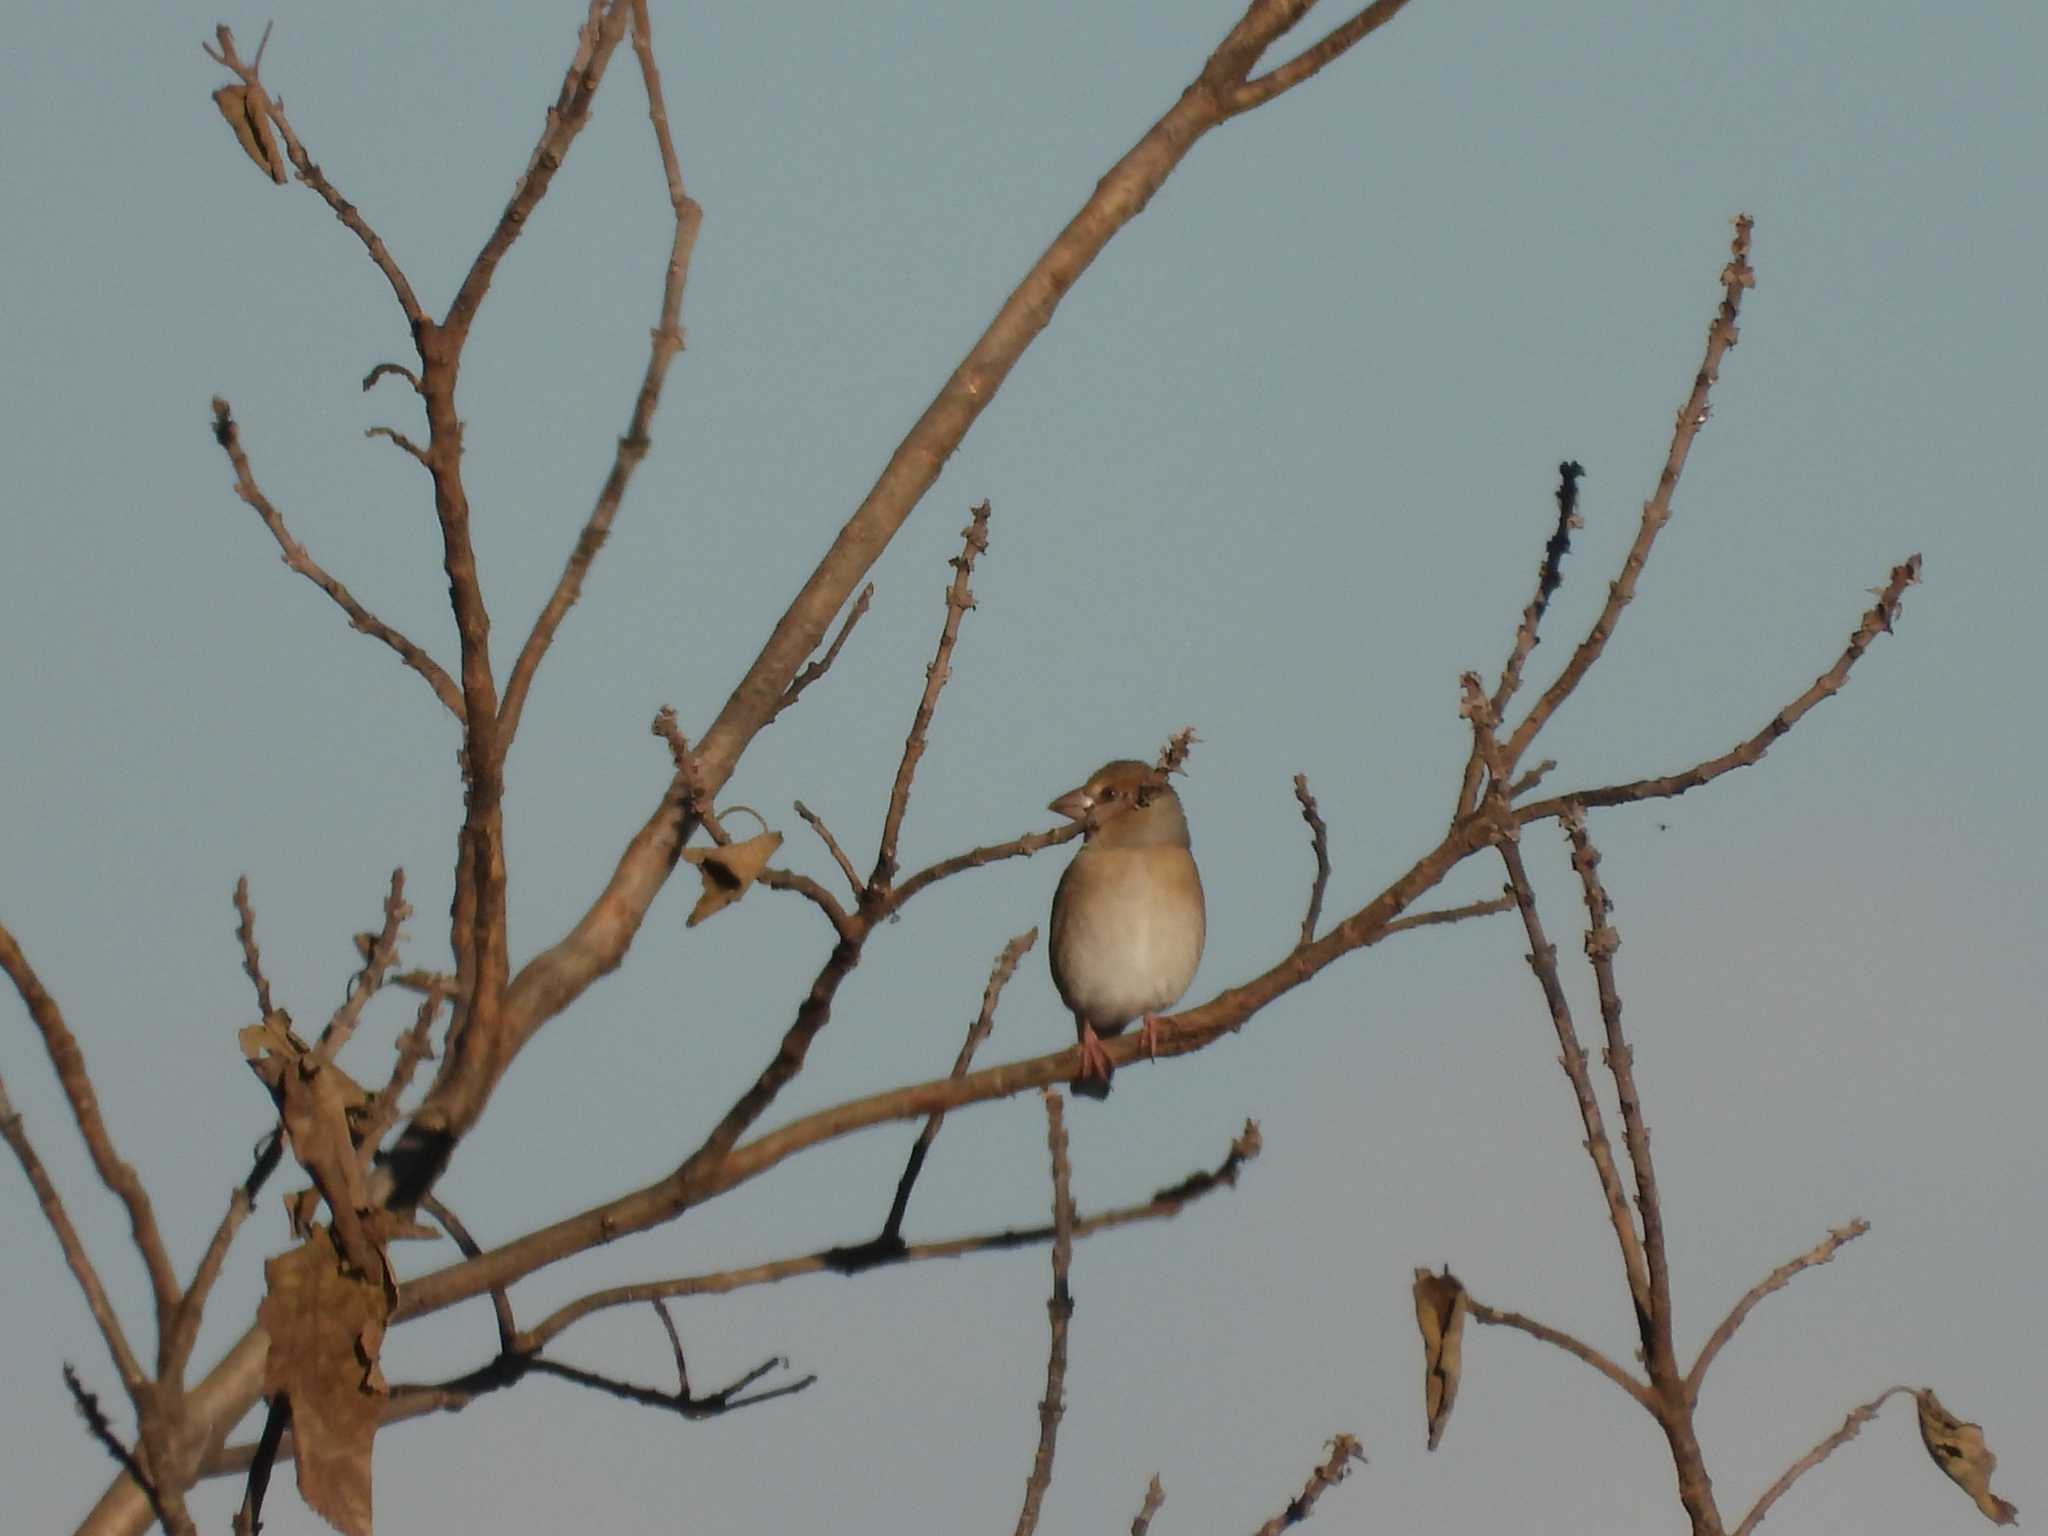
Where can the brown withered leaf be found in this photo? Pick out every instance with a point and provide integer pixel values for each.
(1959, 1450)
(315, 1105)
(248, 114)
(728, 871)
(1440, 1309)
(268, 1046)
(326, 1325)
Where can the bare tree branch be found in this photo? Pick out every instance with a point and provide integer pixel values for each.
(1155, 1498)
(959, 598)
(1344, 1450)
(1549, 577)
(1162, 1206)
(817, 825)
(252, 958)
(1776, 1280)
(984, 1022)
(823, 664)
(1451, 914)
(1542, 958)
(71, 1244)
(383, 951)
(296, 558)
(632, 448)
(1252, 93)
(1877, 621)
(121, 1180)
(1736, 277)
(1060, 1308)
(261, 103)
(1851, 1427)
(1319, 842)
(1601, 943)
(1635, 1388)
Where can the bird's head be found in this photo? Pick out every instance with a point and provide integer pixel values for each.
(1126, 804)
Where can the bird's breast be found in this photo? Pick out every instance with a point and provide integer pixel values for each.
(1127, 932)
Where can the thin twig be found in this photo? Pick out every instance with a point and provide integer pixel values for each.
(959, 598)
(844, 923)
(1542, 958)
(501, 1302)
(710, 1406)
(1602, 941)
(397, 370)
(595, 43)
(667, 341)
(277, 1419)
(393, 435)
(120, 1179)
(1155, 1497)
(998, 977)
(1256, 92)
(1851, 1427)
(296, 558)
(414, 1046)
(1776, 1280)
(1877, 621)
(1162, 1206)
(1060, 1308)
(98, 1426)
(823, 664)
(1344, 1450)
(383, 951)
(176, 1351)
(71, 1244)
(817, 825)
(252, 958)
(1635, 1388)
(1549, 577)
(1736, 278)
(1451, 914)
(1319, 840)
(975, 858)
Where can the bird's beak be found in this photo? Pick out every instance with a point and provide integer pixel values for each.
(1075, 805)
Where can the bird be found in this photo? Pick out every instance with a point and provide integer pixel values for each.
(1127, 919)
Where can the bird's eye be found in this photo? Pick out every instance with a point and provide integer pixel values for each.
(1109, 792)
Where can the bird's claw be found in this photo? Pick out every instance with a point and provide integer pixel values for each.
(1095, 1060)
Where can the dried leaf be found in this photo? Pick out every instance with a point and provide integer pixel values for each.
(1440, 1309)
(1959, 1450)
(326, 1325)
(248, 114)
(728, 871)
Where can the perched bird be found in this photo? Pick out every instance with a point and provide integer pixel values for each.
(1127, 919)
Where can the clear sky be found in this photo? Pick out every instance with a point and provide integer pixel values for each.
(1280, 469)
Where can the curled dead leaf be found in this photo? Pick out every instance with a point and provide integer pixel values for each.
(1959, 1450)
(1440, 1310)
(326, 1324)
(728, 871)
(248, 114)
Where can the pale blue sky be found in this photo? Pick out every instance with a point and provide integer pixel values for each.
(1281, 469)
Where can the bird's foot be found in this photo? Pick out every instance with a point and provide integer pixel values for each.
(1095, 1062)
(1148, 1027)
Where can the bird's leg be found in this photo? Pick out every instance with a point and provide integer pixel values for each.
(1094, 1056)
(1149, 1028)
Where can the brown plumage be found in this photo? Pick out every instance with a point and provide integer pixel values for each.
(1127, 920)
